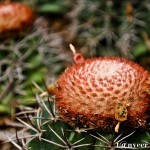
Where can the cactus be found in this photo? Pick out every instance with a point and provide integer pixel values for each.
(14, 21)
(51, 130)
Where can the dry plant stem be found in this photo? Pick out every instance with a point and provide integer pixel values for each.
(15, 65)
(8, 88)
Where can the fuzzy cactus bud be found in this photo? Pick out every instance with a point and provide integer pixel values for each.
(104, 92)
(14, 18)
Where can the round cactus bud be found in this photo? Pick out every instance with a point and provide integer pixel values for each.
(100, 92)
(14, 17)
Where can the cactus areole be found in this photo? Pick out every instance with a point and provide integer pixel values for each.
(105, 93)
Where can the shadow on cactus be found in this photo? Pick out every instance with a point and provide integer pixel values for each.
(98, 103)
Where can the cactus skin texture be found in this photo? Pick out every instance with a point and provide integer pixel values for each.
(14, 17)
(87, 93)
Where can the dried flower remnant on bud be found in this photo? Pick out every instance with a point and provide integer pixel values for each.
(78, 58)
(120, 114)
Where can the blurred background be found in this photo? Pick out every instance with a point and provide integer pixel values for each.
(95, 27)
